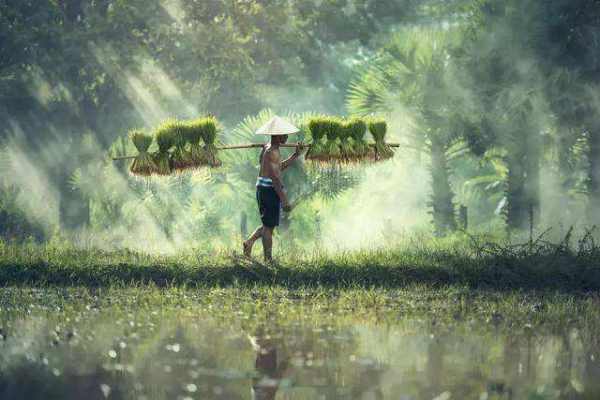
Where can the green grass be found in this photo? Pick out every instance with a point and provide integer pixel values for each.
(539, 266)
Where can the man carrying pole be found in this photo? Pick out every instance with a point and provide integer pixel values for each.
(270, 193)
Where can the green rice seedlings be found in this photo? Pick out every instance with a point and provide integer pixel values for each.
(180, 159)
(347, 153)
(165, 140)
(332, 146)
(209, 135)
(318, 129)
(143, 164)
(197, 154)
(378, 129)
(361, 148)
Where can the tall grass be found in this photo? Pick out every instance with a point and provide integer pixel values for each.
(469, 262)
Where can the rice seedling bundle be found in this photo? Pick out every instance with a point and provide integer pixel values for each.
(179, 144)
(143, 164)
(209, 135)
(165, 140)
(336, 140)
(333, 132)
(318, 130)
(347, 153)
(193, 133)
(361, 149)
(378, 129)
(180, 159)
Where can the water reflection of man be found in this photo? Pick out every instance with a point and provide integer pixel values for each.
(270, 369)
(368, 385)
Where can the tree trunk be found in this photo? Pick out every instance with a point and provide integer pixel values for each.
(532, 176)
(523, 185)
(594, 175)
(516, 213)
(443, 209)
(73, 10)
(564, 148)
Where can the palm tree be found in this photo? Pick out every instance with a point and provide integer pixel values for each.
(412, 74)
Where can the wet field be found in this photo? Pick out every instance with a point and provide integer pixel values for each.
(146, 343)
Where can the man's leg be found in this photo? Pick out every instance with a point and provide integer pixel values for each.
(267, 241)
(248, 244)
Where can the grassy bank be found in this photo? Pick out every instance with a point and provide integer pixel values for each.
(468, 263)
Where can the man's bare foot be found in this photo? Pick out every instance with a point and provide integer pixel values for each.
(247, 249)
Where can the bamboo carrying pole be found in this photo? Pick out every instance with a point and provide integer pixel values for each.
(252, 146)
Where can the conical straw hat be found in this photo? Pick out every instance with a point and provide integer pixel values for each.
(277, 126)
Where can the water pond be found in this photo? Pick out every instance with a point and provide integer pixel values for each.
(151, 344)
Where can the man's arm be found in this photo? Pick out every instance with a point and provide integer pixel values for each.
(286, 163)
(275, 164)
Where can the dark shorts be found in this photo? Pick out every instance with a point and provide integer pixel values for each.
(269, 206)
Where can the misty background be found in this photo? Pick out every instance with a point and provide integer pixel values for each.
(495, 104)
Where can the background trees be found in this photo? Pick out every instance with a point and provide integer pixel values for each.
(413, 73)
(73, 67)
(526, 63)
(499, 98)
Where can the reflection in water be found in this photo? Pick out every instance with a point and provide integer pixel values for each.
(435, 366)
(270, 370)
(312, 364)
(176, 354)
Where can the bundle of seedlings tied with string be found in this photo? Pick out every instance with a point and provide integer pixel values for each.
(361, 148)
(180, 158)
(165, 140)
(347, 154)
(143, 164)
(197, 154)
(378, 129)
(318, 129)
(332, 146)
(209, 135)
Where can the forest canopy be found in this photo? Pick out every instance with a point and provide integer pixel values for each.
(495, 104)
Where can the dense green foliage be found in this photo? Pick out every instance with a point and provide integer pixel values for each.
(497, 99)
(508, 83)
(74, 67)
